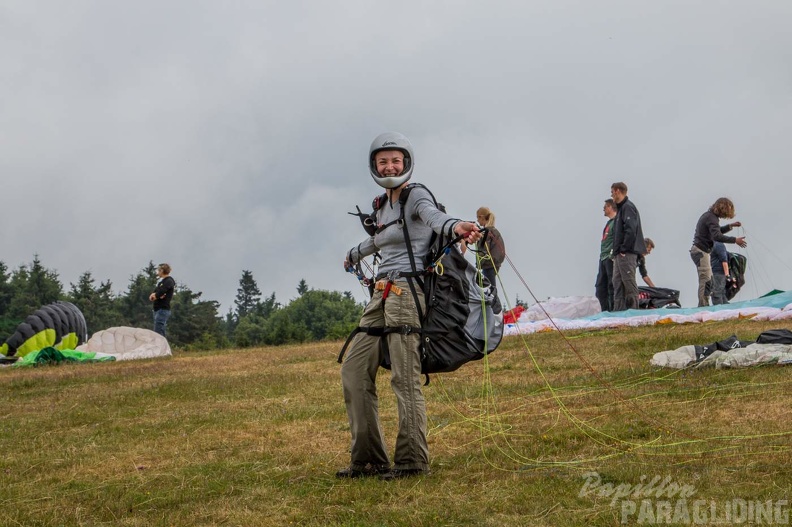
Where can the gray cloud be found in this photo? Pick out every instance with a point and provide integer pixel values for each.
(230, 136)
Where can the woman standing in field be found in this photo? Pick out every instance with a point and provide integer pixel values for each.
(395, 303)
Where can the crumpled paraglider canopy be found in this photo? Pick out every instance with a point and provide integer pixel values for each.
(568, 307)
(771, 347)
(51, 355)
(126, 343)
(60, 325)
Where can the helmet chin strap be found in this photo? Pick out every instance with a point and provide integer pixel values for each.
(386, 181)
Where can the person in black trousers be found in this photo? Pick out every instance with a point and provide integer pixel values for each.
(603, 286)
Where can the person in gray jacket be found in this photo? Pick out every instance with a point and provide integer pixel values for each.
(391, 164)
(628, 244)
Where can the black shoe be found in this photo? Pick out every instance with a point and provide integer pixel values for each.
(398, 473)
(368, 471)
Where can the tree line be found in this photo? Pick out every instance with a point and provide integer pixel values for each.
(195, 323)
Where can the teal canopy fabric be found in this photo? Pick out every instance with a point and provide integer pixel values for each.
(775, 298)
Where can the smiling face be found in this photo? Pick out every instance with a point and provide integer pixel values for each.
(389, 163)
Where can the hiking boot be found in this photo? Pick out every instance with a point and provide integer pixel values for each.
(401, 473)
(368, 471)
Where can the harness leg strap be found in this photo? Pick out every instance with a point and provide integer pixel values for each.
(369, 330)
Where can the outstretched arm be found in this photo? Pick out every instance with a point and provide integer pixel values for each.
(468, 230)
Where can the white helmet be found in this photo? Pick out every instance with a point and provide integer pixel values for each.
(391, 141)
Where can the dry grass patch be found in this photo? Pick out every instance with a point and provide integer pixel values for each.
(253, 437)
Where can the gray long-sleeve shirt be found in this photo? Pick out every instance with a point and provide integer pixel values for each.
(422, 218)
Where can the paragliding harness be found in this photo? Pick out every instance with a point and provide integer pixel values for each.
(459, 324)
(655, 297)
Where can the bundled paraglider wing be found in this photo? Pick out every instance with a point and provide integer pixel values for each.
(60, 325)
(126, 343)
(737, 266)
(654, 297)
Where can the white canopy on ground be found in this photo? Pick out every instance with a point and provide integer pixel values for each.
(751, 355)
(568, 307)
(775, 307)
(125, 343)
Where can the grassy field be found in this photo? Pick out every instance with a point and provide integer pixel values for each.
(253, 437)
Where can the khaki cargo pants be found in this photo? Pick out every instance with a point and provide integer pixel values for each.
(704, 271)
(359, 374)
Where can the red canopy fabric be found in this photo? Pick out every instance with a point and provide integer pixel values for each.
(511, 316)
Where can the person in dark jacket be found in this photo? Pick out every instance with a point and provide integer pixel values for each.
(628, 244)
(161, 297)
(642, 262)
(708, 231)
(603, 286)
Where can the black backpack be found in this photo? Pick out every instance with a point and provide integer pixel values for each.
(737, 266)
(655, 297)
(463, 321)
(775, 336)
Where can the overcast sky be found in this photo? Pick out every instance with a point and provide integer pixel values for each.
(222, 136)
